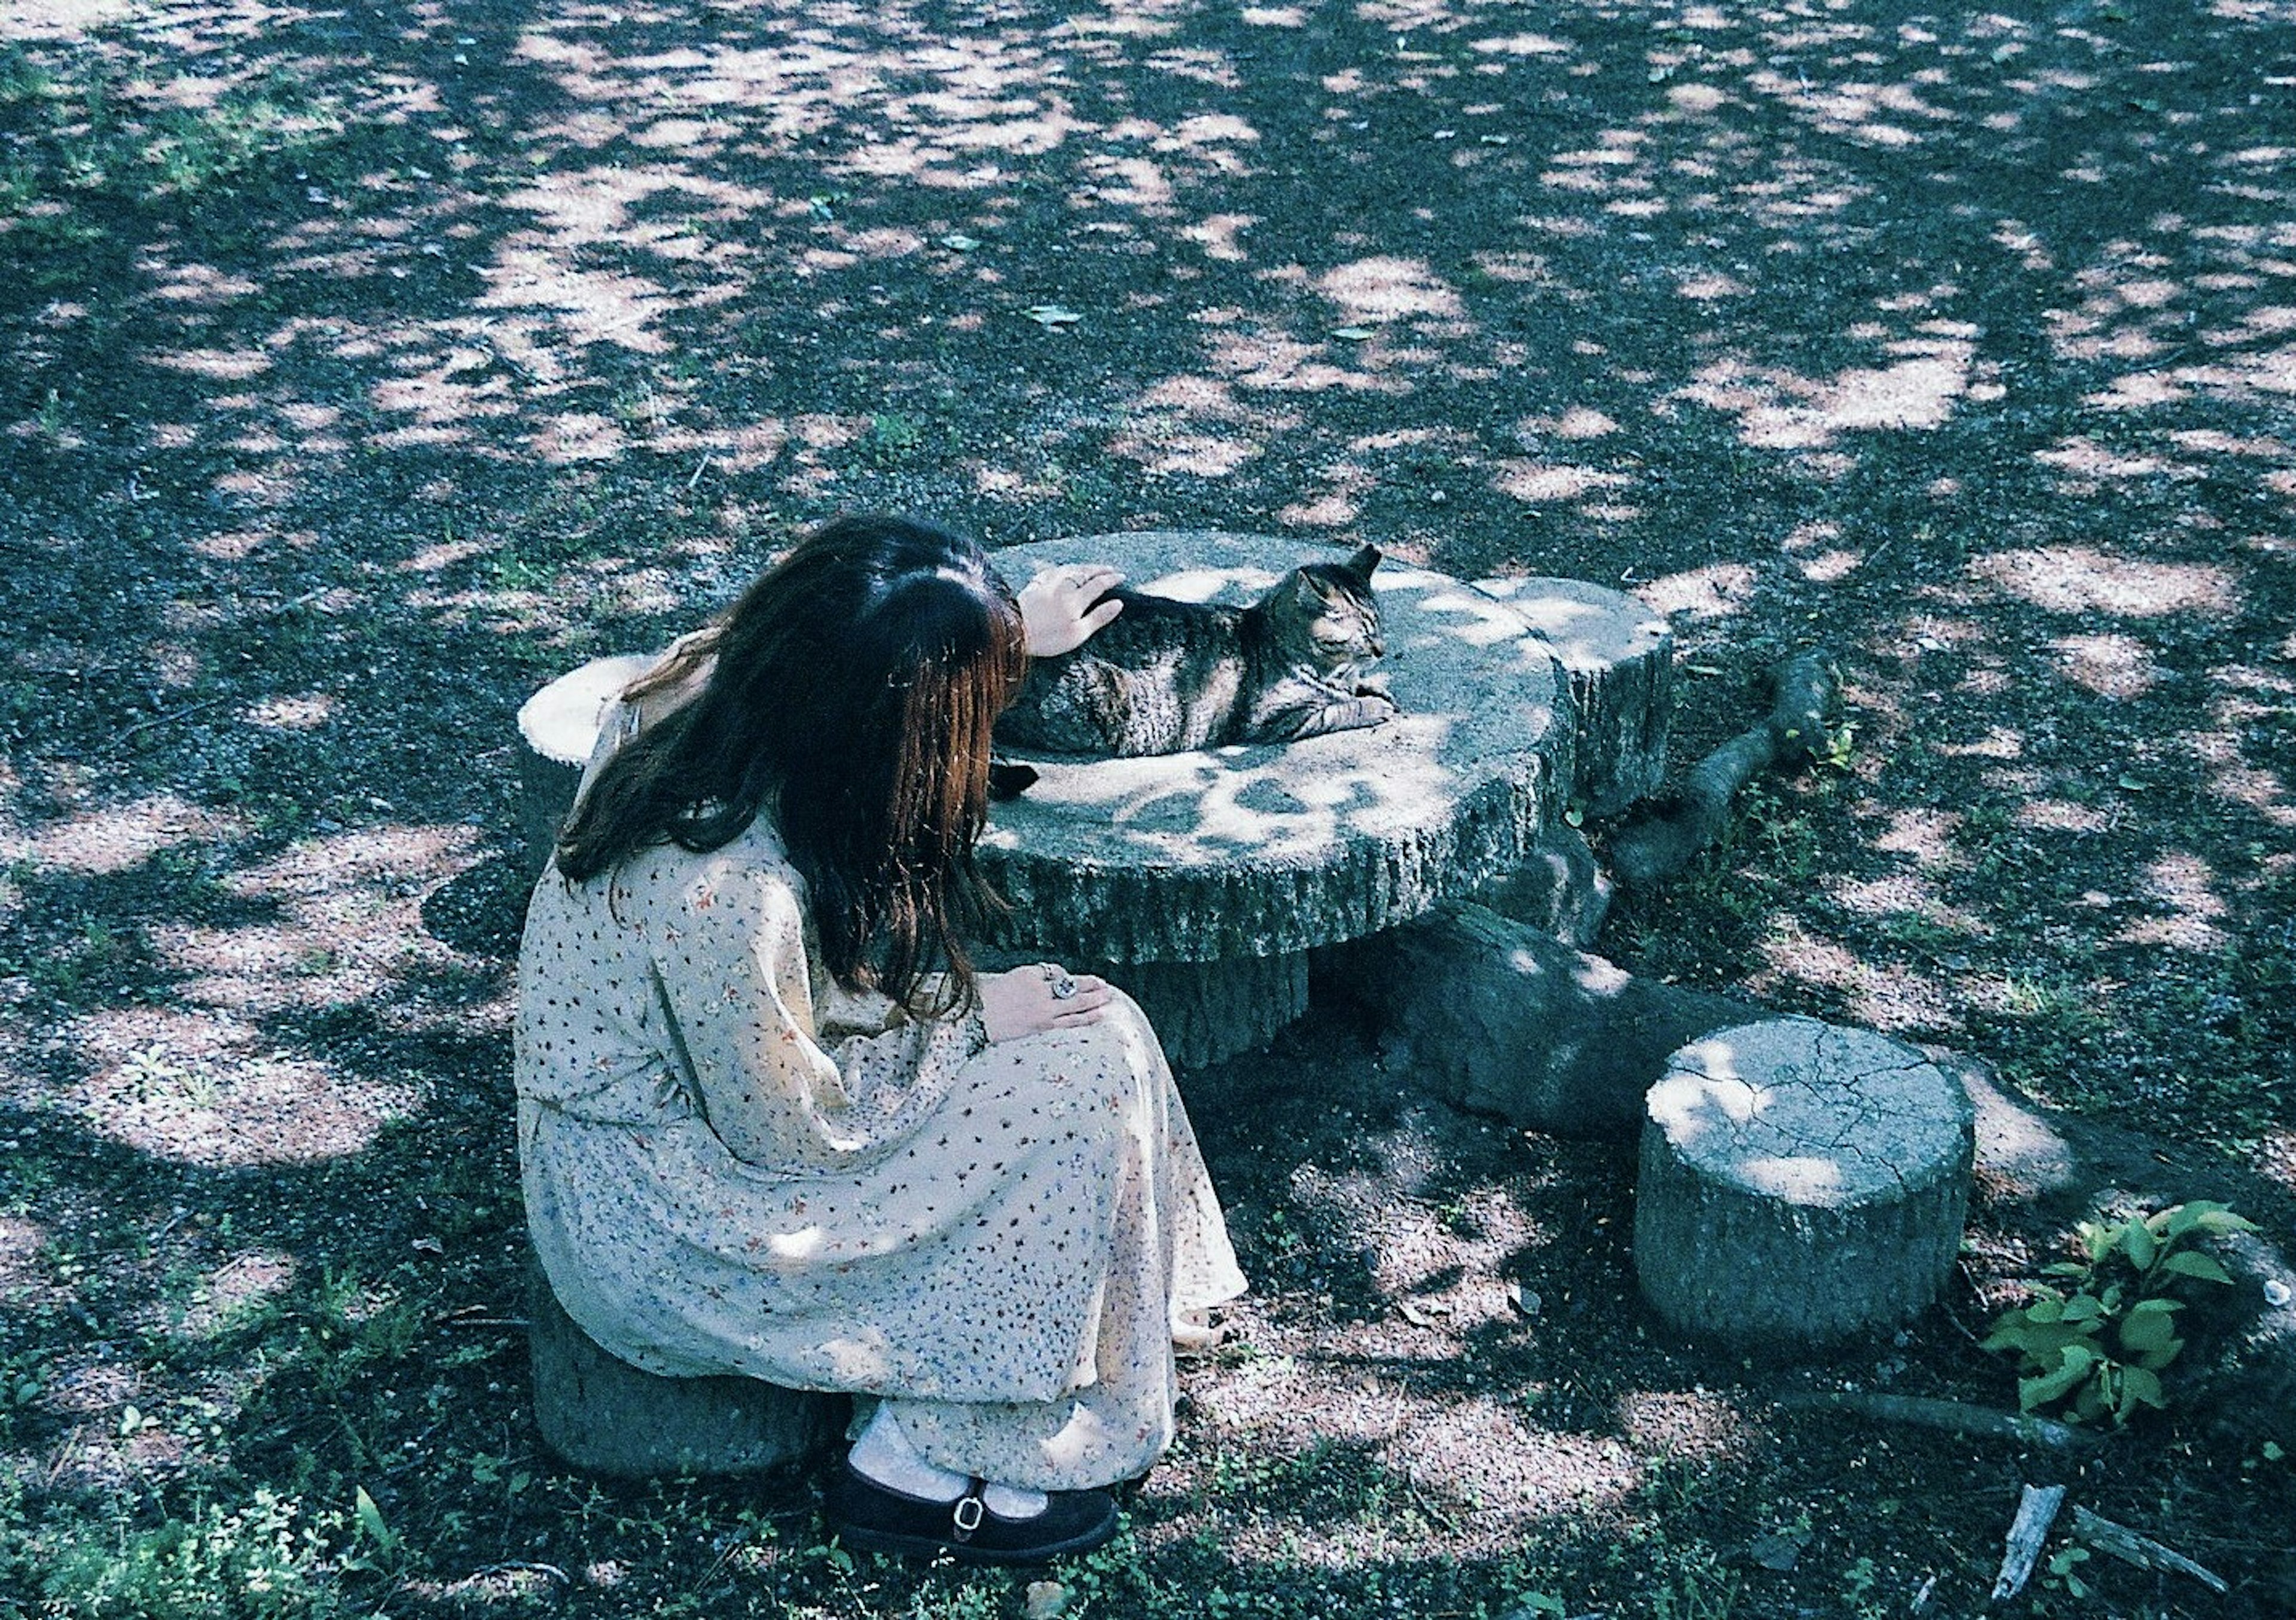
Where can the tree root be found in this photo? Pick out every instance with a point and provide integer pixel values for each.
(1671, 828)
(1951, 1417)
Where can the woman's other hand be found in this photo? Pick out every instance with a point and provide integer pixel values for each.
(1030, 1000)
(1057, 614)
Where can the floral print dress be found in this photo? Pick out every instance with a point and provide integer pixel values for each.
(733, 1164)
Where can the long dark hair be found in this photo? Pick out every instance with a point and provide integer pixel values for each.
(855, 686)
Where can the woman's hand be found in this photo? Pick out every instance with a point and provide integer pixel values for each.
(1030, 1000)
(1057, 607)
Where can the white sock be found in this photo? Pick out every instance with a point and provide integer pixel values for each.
(884, 1455)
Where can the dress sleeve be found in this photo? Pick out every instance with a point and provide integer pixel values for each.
(735, 974)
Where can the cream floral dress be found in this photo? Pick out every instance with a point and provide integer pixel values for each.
(732, 1164)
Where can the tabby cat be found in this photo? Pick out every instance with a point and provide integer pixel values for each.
(1169, 676)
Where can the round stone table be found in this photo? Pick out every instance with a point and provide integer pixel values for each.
(1197, 881)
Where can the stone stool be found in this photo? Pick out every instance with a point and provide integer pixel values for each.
(604, 1416)
(1619, 655)
(1800, 1184)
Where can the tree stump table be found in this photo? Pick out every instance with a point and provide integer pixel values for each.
(1799, 1184)
(1199, 881)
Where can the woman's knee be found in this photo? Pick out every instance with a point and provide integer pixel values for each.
(1108, 1067)
(1123, 1019)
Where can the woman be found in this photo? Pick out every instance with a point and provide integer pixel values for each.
(771, 1123)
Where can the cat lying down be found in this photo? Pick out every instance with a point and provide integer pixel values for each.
(1167, 676)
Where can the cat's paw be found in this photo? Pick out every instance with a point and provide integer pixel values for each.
(1374, 686)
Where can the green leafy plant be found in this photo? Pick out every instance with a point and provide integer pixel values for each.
(891, 436)
(2096, 1351)
(260, 1560)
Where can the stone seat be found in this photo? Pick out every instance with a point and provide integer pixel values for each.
(604, 1416)
(1800, 1184)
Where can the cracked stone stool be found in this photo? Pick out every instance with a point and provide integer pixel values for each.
(603, 1415)
(1800, 1184)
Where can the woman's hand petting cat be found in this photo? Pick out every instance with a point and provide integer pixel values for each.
(1030, 1000)
(1057, 614)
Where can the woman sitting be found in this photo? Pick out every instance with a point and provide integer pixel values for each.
(771, 1122)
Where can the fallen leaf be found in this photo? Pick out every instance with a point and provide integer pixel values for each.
(957, 241)
(429, 1246)
(1052, 316)
(1778, 1551)
(1413, 1314)
(1353, 334)
(1523, 1300)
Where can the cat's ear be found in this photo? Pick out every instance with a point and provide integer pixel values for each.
(1363, 562)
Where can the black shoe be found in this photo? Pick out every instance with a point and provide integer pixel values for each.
(878, 1518)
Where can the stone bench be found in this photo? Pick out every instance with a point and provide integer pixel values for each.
(1799, 1184)
(604, 1416)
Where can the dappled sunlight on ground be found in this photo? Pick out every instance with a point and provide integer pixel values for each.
(100, 841)
(206, 1091)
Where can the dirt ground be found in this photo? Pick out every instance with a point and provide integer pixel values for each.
(367, 366)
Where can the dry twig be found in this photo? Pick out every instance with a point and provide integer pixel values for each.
(2146, 1553)
(2036, 1511)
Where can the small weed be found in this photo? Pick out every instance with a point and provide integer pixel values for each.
(263, 1557)
(1700, 1587)
(1922, 934)
(158, 1077)
(2064, 1566)
(891, 437)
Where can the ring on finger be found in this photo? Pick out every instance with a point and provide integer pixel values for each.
(1063, 988)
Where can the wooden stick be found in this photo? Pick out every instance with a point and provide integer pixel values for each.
(2036, 1511)
(1951, 1417)
(2146, 1553)
(174, 714)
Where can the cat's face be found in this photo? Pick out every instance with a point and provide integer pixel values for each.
(1329, 618)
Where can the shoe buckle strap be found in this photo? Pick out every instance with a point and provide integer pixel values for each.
(970, 1511)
